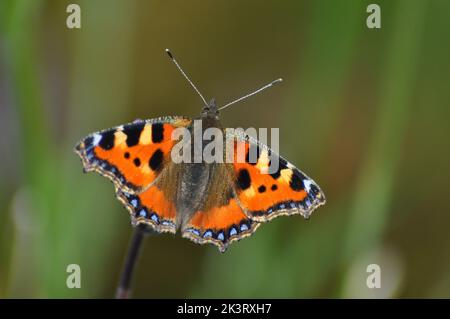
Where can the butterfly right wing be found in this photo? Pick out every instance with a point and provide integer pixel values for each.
(253, 197)
(220, 225)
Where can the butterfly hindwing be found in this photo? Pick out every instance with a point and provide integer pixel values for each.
(220, 225)
(133, 157)
(264, 196)
(151, 207)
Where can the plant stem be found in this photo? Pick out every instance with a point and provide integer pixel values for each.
(123, 291)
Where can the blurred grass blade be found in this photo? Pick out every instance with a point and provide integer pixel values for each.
(373, 190)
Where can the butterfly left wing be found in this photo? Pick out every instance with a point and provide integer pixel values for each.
(263, 196)
(136, 157)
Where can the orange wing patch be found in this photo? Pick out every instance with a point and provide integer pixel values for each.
(265, 196)
(220, 226)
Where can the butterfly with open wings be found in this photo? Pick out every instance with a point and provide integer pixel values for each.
(219, 202)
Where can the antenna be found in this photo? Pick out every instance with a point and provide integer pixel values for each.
(253, 93)
(184, 74)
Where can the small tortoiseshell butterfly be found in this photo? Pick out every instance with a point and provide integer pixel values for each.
(214, 203)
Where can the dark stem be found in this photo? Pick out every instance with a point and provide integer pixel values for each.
(123, 291)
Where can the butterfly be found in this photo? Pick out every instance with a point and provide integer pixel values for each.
(216, 203)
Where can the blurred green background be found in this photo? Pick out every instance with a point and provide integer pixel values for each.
(364, 112)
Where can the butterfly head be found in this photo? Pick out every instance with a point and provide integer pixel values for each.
(211, 110)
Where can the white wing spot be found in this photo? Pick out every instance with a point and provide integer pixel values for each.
(97, 138)
(244, 227)
(307, 184)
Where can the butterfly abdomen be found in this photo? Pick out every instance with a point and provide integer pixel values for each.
(203, 183)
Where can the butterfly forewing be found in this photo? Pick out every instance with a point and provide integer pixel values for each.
(264, 195)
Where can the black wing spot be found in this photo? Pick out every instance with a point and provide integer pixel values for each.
(314, 190)
(107, 140)
(126, 155)
(262, 189)
(243, 179)
(296, 183)
(252, 155)
(229, 194)
(282, 164)
(157, 132)
(274, 187)
(276, 174)
(88, 142)
(133, 133)
(155, 162)
(137, 162)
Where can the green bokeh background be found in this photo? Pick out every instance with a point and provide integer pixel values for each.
(365, 112)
